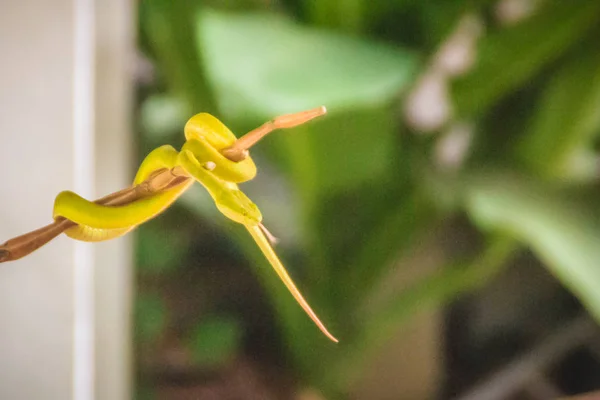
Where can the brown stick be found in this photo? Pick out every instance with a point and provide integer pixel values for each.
(239, 150)
(23, 245)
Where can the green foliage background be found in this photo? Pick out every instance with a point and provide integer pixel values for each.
(351, 192)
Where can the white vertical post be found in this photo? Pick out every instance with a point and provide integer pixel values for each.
(64, 119)
(115, 51)
(83, 183)
(36, 160)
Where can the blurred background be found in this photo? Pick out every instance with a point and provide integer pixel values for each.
(443, 219)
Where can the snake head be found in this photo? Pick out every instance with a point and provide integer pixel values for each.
(235, 205)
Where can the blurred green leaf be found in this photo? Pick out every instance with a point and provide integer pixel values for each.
(567, 119)
(263, 65)
(150, 316)
(563, 231)
(511, 56)
(340, 152)
(215, 340)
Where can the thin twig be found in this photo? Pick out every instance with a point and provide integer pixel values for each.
(27, 243)
(239, 150)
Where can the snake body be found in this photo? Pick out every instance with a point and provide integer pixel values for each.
(205, 136)
(200, 158)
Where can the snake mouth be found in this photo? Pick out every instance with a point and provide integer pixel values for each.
(4, 255)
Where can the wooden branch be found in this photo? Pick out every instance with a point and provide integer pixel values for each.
(159, 181)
